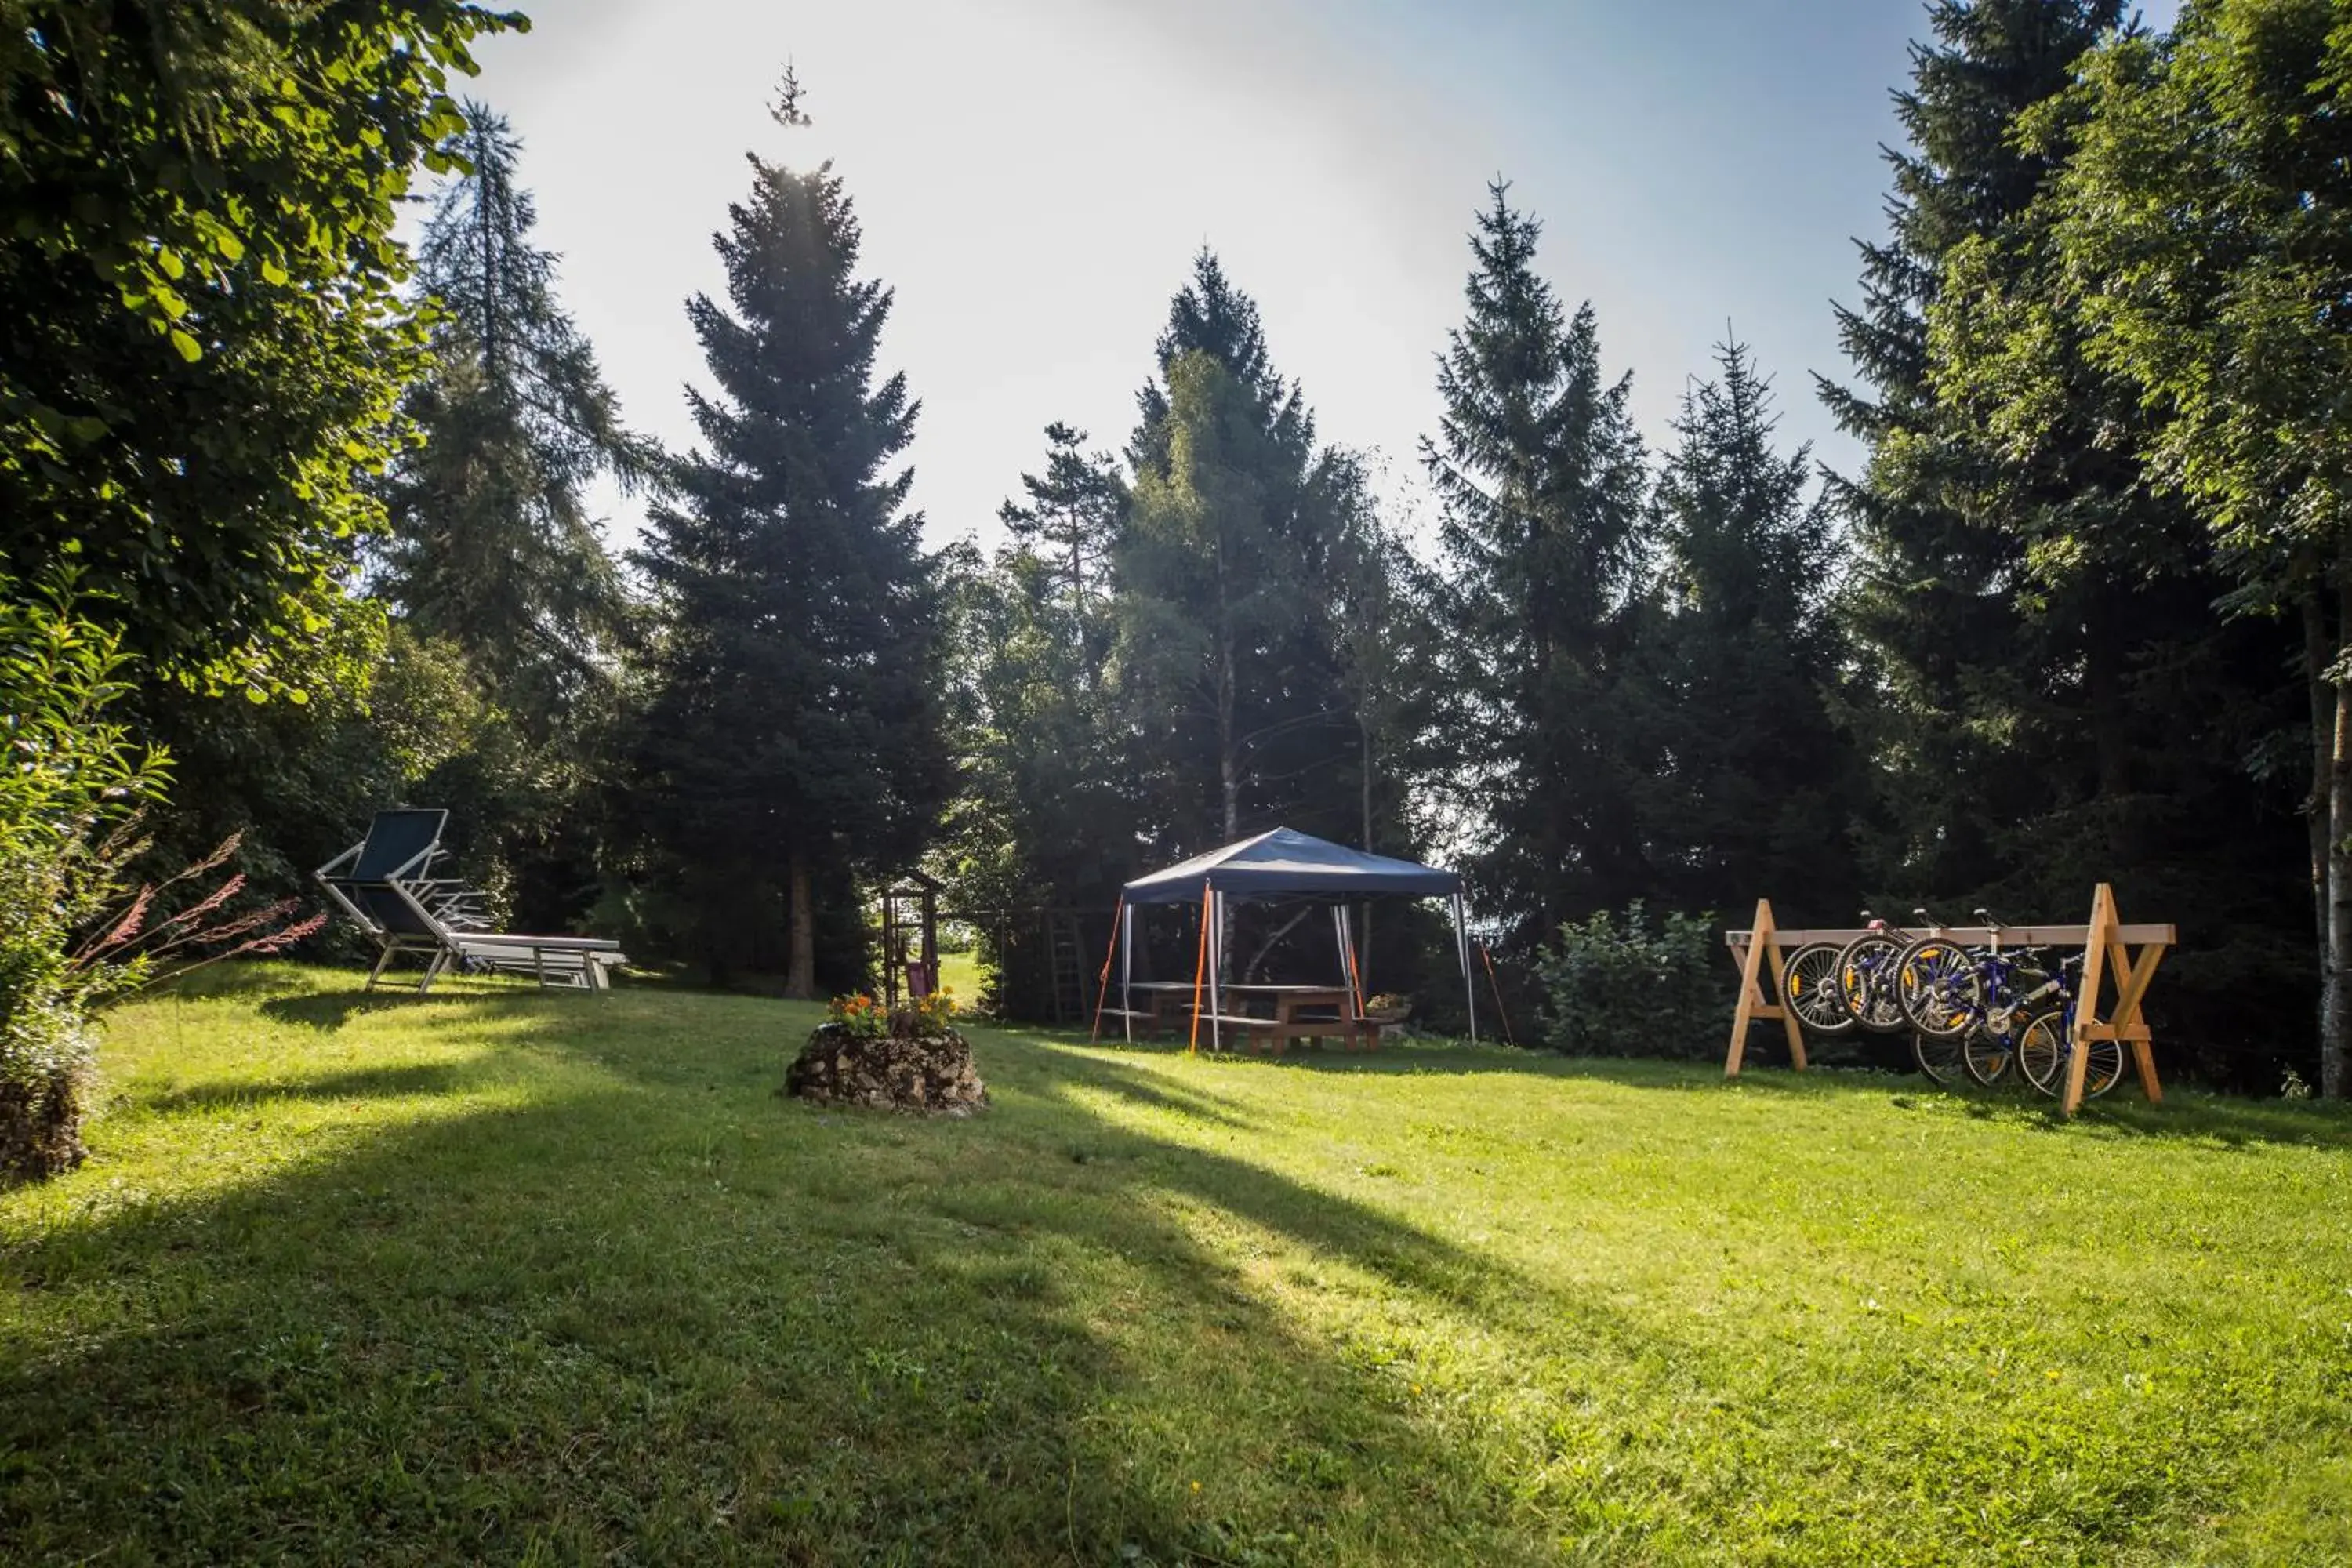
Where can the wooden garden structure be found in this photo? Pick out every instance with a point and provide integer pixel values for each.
(910, 936)
(2123, 957)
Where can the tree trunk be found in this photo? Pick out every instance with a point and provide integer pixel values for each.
(1364, 911)
(1229, 765)
(2316, 646)
(800, 977)
(2335, 1020)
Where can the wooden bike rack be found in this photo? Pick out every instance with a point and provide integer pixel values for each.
(2124, 956)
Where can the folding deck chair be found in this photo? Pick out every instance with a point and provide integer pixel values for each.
(383, 883)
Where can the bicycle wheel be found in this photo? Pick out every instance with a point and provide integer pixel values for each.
(1986, 1055)
(1938, 988)
(1866, 980)
(1809, 989)
(2042, 1057)
(1939, 1056)
(2041, 1052)
(2105, 1067)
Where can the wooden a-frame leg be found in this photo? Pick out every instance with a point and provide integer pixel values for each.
(1752, 959)
(2102, 936)
(2137, 972)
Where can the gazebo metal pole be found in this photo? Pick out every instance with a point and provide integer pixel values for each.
(1339, 932)
(1462, 942)
(1355, 969)
(1126, 975)
(1200, 963)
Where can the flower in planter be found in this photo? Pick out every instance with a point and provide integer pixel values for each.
(860, 1015)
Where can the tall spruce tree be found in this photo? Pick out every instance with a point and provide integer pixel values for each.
(1760, 788)
(1539, 473)
(1228, 580)
(1070, 521)
(792, 734)
(493, 545)
(1935, 600)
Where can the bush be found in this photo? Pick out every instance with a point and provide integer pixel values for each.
(1618, 987)
(69, 796)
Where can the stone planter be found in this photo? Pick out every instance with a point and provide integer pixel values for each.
(931, 1074)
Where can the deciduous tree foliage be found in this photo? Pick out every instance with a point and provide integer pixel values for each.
(793, 727)
(492, 545)
(2204, 222)
(205, 343)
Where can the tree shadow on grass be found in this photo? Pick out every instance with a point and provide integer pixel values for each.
(2185, 1116)
(664, 1315)
(363, 1083)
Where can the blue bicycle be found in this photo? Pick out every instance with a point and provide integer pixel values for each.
(1988, 1007)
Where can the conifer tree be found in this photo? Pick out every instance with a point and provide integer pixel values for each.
(492, 543)
(1070, 521)
(1935, 601)
(1760, 789)
(1538, 471)
(793, 731)
(2051, 694)
(1229, 587)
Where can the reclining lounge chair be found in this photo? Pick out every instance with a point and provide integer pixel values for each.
(383, 882)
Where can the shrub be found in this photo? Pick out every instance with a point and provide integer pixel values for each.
(1622, 986)
(72, 936)
(68, 798)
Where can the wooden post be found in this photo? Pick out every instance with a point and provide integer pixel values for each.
(2103, 947)
(1753, 1003)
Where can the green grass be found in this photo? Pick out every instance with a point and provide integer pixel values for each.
(507, 1277)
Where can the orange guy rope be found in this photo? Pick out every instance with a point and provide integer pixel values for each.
(1488, 954)
(1102, 995)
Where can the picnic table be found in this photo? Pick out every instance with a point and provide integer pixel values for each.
(1167, 1004)
(1314, 1013)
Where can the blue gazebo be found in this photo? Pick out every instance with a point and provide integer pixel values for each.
(1280, 863)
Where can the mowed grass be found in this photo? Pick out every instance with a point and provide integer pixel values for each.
(519, 1277)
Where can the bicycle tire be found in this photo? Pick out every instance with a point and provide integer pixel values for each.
(1938, 1058)
(1808, 988)
(2042, 1057)
(1865, 969)
(1987, 1057)
(1938, 988)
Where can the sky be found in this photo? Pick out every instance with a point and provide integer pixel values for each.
(1034, 178)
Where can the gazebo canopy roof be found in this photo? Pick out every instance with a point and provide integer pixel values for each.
(1282, 863)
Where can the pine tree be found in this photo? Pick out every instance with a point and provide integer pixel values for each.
(1229, 587)
(1935, 604)
(492, 545)
(1760, 788)
(1071, 522)
(1539, 472)
(793, 731)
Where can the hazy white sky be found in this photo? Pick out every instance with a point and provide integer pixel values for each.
(1034, 176)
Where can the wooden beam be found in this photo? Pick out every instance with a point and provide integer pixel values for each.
(1971, 936)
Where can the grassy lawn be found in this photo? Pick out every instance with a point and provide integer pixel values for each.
(545, 1279)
